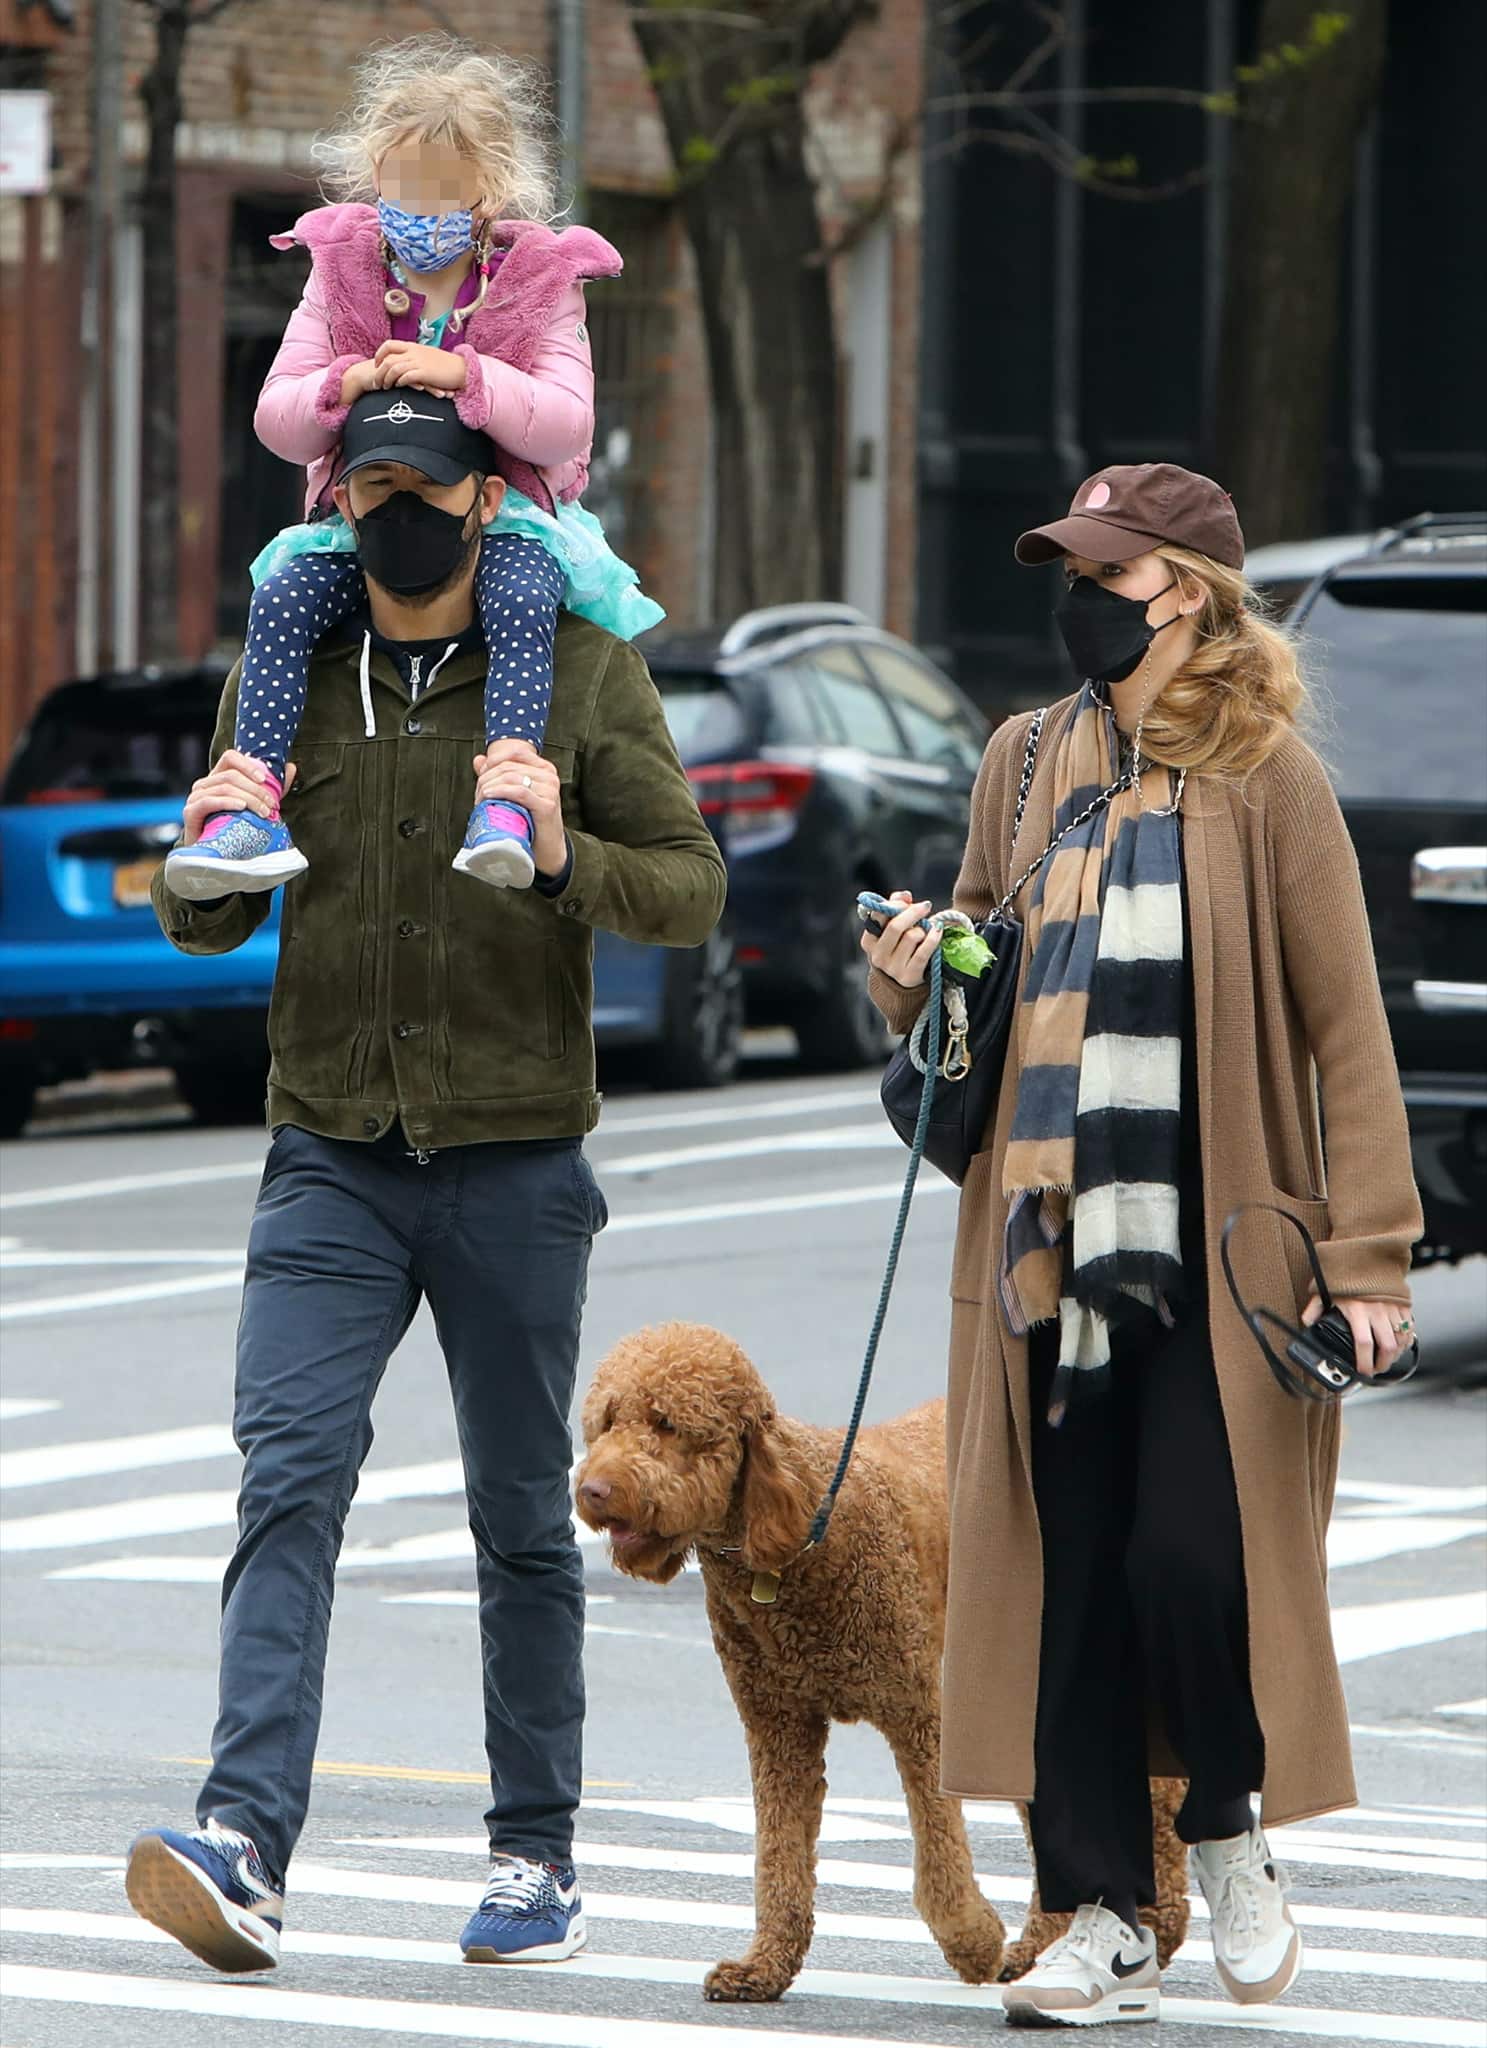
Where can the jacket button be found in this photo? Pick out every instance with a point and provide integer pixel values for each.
(408, 929)
(371, 1126)
(414, 726)
(408, 827)
(571, 908)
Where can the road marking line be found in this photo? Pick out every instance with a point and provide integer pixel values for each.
(12, 1409)
(647, 1219)
(1389, 1625)
(727, 1112)
(1329, 1851)
(39, 1261)
(1419, 1500)
(1476, 1707)
(331, 1881)
(48, 1463)
(168, 1514)
(413, 2018)
(408, 2018)
(117, 1297)
(1364, 1539)
(866, 1985)
(413, 1773)
(877, 1136)
(592, 1628)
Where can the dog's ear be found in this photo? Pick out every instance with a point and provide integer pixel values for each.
(776, 1505)
(598, 1411)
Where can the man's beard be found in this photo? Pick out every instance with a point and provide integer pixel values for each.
(416, 600)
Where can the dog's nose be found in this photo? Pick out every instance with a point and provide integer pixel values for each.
(595, 1492)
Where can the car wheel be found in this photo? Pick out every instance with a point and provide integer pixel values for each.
(843, 1028)
(229, 1093)
(17, 1100)
(702, 1039)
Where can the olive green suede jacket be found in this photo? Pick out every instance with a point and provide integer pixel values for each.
(407, 991)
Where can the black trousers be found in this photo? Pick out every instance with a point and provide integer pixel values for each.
(1145, 1618)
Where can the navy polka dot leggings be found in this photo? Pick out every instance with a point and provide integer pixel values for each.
(518, 589)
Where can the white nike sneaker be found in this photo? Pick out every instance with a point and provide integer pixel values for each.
(1099, 1972)
(1256, 1944)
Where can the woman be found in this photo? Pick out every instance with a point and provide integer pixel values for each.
(1138, 1512)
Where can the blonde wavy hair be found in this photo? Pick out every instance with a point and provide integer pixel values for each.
(1239, 692)
(437, 88)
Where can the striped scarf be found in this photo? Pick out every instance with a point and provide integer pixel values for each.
(1091, 1165)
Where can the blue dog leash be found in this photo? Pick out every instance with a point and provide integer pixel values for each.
(767, 1584)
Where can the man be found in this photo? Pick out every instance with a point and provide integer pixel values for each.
(432, 1082)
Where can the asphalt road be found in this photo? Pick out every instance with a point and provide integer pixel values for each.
(765, 1210)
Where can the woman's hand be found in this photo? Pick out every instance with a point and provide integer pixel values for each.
(235, 783)
(902, 950)
(512, 772)
(358, 381)
(414, 362)
(1380, 1330)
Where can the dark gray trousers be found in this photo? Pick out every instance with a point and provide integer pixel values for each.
(347, 1239)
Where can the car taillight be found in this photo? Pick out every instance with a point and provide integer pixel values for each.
(752, 798)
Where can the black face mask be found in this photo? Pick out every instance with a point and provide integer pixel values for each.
(409, 546)
(1107, 634)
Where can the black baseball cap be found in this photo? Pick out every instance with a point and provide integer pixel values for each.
(416, 427)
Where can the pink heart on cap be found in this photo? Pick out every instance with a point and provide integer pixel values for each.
(1100, 495)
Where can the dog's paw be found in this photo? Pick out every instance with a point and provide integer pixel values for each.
(1017, 1960)
(974, 1949)
(753, 1981)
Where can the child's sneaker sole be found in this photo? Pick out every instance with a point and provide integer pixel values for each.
(170, 1891)
(1118, 2007)
(201, 880)
(554, 1951)
(1273, 1987)
(505, 864)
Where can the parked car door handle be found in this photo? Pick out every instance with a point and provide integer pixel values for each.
(1449, 874)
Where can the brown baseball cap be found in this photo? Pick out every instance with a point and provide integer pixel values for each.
(1128, 509)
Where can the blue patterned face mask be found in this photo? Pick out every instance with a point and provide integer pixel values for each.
(425, 241)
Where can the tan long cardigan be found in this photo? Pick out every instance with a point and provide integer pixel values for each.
(1285, 993)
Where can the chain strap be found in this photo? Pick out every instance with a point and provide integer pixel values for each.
(1029, 761)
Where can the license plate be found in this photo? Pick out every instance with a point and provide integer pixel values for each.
(132, 880)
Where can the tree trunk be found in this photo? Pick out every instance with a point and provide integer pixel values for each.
(1294, 158)
(160, 89)
(731, 102)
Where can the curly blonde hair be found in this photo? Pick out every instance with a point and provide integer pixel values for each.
(1238, 693)
(437, 88)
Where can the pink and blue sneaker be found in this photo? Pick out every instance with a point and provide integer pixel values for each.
(208, 1887)
(529, 1913)
(238, 853)
(498, 847)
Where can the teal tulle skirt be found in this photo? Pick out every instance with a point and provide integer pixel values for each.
(600, 586)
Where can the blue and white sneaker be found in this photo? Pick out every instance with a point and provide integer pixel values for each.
(530, 1913)
(498, 847)
(210, 1890)
(237, 854)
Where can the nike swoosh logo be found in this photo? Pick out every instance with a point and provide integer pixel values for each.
(248, 1881)
(1120, 1968)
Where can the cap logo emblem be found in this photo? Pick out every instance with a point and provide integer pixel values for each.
(402, 412)
(1100, 495)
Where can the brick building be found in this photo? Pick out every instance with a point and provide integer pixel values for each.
(260, 81)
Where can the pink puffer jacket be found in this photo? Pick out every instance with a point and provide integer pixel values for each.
(529, 377)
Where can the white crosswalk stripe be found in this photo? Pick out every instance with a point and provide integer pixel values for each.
(72, 1943)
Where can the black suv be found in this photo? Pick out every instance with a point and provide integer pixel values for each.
(829, 757)
(1397, 640)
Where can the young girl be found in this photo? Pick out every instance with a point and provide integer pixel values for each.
(448, 283)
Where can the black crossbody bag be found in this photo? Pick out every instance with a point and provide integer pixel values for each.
(978, 1015)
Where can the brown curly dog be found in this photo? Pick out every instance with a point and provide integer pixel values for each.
(686, 1453)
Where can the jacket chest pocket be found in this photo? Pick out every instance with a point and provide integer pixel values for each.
(320, 807)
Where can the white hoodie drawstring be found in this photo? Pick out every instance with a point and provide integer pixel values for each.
(369, 716)
(429, 682)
